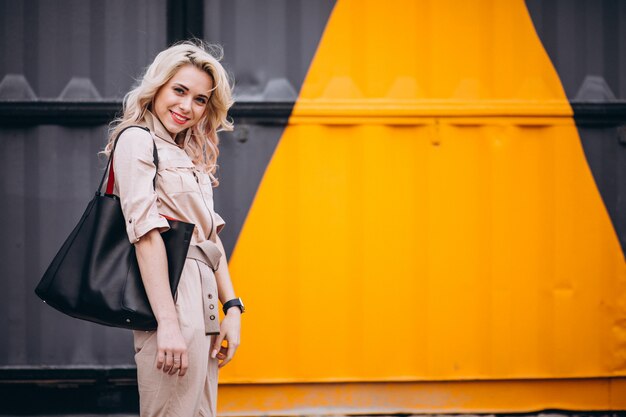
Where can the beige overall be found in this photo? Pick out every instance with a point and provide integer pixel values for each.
(184, 193)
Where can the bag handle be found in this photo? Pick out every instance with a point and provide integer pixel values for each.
(111, 180)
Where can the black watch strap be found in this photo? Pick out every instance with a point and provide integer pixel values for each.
(235, 302)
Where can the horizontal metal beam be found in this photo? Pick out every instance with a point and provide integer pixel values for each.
(90, 113)
(52, 375)
(594, 113)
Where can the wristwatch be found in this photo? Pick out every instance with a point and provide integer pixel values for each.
(235, 302)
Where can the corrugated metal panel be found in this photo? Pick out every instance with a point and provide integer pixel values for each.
(585, 40)
(269, 44)
(605, 150)
(430, 216)
(244, 155)
(49, 174)
(476, 249)
(102, 45)
(65, 48)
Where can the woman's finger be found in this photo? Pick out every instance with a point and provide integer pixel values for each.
(160, 359)
(224, 362)
(184, 364)
(221, 354)
(176, 364)
(169, 362)
(232, 347)
(217, 345)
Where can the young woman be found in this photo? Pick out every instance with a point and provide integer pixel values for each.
(183, 99)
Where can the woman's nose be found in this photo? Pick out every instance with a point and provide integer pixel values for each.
(185, 104)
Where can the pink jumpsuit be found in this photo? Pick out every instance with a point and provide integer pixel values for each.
(182, 192)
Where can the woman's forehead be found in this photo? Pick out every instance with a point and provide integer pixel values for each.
(193, 78)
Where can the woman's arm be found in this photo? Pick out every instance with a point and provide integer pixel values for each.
(152, 260)
(231, 325)
(135, 168)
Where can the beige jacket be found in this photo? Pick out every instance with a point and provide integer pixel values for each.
(182, 191)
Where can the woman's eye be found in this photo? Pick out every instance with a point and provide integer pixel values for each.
(179, 90)
(201, 100)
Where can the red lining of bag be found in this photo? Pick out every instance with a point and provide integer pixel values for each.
(111, 180)
(169, 218)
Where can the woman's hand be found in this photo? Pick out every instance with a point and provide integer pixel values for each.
(171, 348)
(172, 355)
(229, 331)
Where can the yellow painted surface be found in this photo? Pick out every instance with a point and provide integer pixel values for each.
(422, 397)
(428, 215)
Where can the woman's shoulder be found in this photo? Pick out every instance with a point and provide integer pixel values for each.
(135, 137)
(136, 132)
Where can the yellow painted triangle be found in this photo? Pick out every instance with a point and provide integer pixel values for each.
(428, 213)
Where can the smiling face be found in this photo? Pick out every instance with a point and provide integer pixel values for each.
(182, 101)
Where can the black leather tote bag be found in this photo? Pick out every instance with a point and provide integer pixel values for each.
(95, 275)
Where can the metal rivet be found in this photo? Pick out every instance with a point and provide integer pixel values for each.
(212, 317)
(241, 133)
(210, 295)
(211, 306)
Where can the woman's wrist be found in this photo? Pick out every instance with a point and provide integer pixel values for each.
(234, 310)
(167, 319)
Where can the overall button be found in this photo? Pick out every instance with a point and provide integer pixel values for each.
(212, 317)
(211, 306)
(210, 295)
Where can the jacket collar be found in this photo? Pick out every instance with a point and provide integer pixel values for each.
(154, 124)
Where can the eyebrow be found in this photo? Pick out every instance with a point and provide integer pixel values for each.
(184, 87)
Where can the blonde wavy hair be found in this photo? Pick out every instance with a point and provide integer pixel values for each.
(204, 141)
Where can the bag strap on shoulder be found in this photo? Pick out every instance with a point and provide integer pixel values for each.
(111, 180)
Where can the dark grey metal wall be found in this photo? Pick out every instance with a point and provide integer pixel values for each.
(64, 67)
(56, 52)
(270, 43)
(46, 180)
(77, 49)
(586, 41)
(269, 46)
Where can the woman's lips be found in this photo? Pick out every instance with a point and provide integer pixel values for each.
(179, 119)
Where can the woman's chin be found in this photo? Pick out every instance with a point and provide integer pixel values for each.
(174, 129)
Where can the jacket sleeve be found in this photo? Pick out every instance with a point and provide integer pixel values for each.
(219, 222)
(134, 170)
